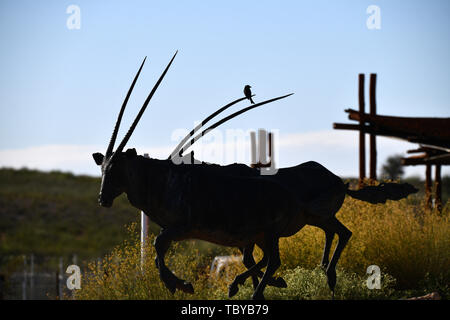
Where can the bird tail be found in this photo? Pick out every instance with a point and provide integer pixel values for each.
(382, 192)
(251, 100)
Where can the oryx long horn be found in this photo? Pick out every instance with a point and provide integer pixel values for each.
(231, 116)
(119, 118)
(138, 117)
(205, 121)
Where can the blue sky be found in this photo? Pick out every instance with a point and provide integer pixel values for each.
(61, 89)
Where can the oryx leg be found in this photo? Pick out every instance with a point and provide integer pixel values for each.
(271, 250)
(344, 235)
(329, 236)
(162, 243)
(240, 279)
(249, 262)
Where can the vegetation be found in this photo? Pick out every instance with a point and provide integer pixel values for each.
(393, 168)
(54, 214)
(409, 245)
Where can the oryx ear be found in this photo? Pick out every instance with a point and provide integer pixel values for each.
(98, 157)
(131, 153)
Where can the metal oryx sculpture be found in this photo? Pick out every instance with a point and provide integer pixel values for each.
(230, 205)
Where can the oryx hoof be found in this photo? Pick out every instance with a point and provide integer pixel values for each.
(331, 278)
(258, 296)
(169, 280)
(232, 289)
(278, 283)
(185, 286)
(171, 285)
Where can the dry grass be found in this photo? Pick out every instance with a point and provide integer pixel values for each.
(399, 237)
(409, 245)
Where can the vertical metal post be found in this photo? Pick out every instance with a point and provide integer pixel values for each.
(270, 148)
(438, 188)
(428, 186)
(60, 279)
(271, 162)
(144, 231)
(57, 284)
(32, 277)
(253, 160)
(2, 287)
(373, 141)
(362, 142)
(75, 262)
(24, 281)
(262, 140)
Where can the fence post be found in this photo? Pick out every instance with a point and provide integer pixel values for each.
(253, 148)
(57, 284)
(60, 279)
(362, 142)
(428, 200)
(262, 141)
(438, 188)
(24, 282)
(266, 163)
(2, 286)
(32, 277)
(144, 231)
(373, 139)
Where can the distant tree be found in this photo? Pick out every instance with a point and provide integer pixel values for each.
(393, 168)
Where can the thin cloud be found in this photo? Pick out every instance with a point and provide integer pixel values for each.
(336, 150)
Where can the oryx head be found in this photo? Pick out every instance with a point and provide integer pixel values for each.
(113, 163)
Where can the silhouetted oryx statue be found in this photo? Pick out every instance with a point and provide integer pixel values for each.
(230, 205)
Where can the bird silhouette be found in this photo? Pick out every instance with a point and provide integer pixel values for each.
(248, 93)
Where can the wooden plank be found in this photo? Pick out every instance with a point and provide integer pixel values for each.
(428, 127)
(439, 159)
(428, 186)
(373, 141)
(372, 130)
(438, 188)
(429, 151)
(443, 159)
(362, 141)
(346, 126)
(420, 150)
(415, 160)
(436, 148)
(438, 142)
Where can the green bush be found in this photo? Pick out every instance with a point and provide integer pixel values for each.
(306, 284)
